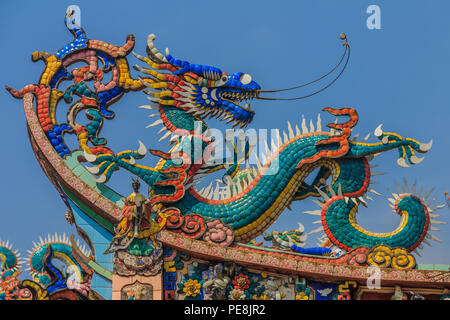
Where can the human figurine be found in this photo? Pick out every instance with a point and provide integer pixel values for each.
(133, 211)
(416, 296)
(218, 285)
(398, 294)
(133, 214)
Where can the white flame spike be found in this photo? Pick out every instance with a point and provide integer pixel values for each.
(211, 193)
(355, 137)
(433, 237)
(320, 204)
(397, 187)
(279, 139)
(366, 137)
(157, 122)
(405, 186)
(161, 130)
(319, 123)
(362, 200)
(331, 191)
(200, 192)
(440, 206)
(263, 158)
(323, 194)
(132, 161)
(273, 146)
(216, 194)
(244, 184)
(354, 201)
(437, 221)
(313, 212)
(149, 107)
(268, 153)
(434, 229)
(340, 189)
(239, 187)
(156, 100)
(285, 137)
(419, 193)
(377, 173)
(317, 222)
(413, 187)
(207, 189)
(167, 134)
(427, 194)
(368, 197)
(291, 132)
(375, 192)
(297, 131)
(429, 203)
(304, 127)
(346, 200)
(258, 164)
(311, 126)
(426, 242)
(319, 229)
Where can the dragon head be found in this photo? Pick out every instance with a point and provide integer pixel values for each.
(202, 90)
(198, 89)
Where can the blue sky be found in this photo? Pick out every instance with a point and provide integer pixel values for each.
(397, 76)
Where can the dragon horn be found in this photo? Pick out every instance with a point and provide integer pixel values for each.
(154, 53)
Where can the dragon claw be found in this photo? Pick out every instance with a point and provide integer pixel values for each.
(89, 156)
(424, 147)
(402, 163)
(93, 170)
(142, 149)
(416, 160)
(101, 179)
(378, 131)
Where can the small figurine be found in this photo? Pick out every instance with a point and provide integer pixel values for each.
(218, 285)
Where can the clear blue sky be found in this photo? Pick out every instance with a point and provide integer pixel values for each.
(398, 76)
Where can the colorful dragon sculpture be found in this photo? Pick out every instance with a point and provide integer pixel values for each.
(249, 200)
(59, 270)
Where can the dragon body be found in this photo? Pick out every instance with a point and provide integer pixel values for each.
(250, 200)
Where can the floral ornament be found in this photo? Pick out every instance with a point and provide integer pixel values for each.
(236, 294)
(241, 282)
(302, 296)
(192, 288)
(219, 233)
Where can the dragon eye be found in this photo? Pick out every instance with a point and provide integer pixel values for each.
(224, 78)
(245, 78)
